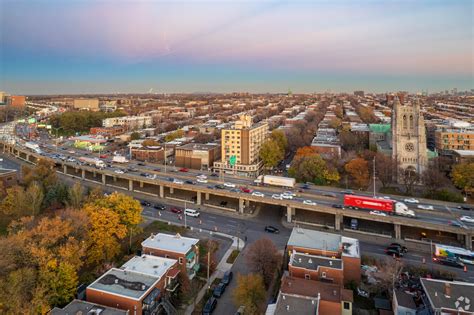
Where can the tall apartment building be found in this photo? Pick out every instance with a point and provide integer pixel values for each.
(241, 143)
(456, 136)
(129, 122)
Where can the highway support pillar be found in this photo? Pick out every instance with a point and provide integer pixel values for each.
(247, 203)
(198, 198)
(83, 174)
(115, 178)
(241, 205)
(468, 238)
(162, 191)
(337, 221)
(130, 185)
(141, 184)
(171, 190)
(64, 168)
(289, 213)
(206, 196)
(103, 179)
(398, 231)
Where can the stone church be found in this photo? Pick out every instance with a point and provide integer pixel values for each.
(408, 138)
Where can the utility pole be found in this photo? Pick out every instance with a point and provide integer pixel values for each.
(165, 156)
(208, 263)
(184, 212)
(374, 176)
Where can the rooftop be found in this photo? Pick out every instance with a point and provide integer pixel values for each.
(460, 294)
(83, 307)
(149, 265)
(465, 152)
(313, 262)
(173, 243)
(124, 283)
(404, 299)
(322, 240)
(295, 304)
(197, 146)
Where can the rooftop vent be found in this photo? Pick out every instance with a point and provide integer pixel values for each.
(310, 261)
(330, 263)
(447, 289)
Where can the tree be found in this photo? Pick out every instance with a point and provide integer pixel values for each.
(409, 178)
(43, 173)
(16, 291)
(15, 203)
(34, 196)
(335, 123)
(104, 234)
(263, 258)
(56, 196)
(312, 168)
(433, 180)
(150, 143)
(174, 135)
(128, 209)
(358, 169)
(250, 292)
(76, 195)
(280, 139)
(384, 168)
(271, 153)
(134, 136)
(463, 176)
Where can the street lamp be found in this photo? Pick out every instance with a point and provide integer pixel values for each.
(57, 135)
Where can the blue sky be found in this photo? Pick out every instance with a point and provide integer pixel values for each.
(223, 46)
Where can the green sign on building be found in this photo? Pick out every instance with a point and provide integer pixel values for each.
(232, 160)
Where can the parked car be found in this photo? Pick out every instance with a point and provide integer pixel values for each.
(145, 204)
(399, 246)
(141, 164)
(411, 200)
(235, 190)
(218, 290)
(245, 190)
(159, 206)
(178, 181)
(271, 229)
(258, 194)
(448, 261)
(176, 210)
(214, 175)
(464, 207)
(455, 223)
(220, 186)
(210, 306)
(227, 278)
(184, 170)
(157, 169)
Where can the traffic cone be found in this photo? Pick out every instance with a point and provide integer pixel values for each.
(465, 268)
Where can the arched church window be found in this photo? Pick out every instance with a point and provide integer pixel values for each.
(404, 121)
(411, 122)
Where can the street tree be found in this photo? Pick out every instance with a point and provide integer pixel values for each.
(280, 138)
(463, 176)
(358, 170)
(263, 258)
(15, 203)
(409, 178)
(34, 196)
(433, 180)
(134, 136)
(271, 154)
(250, 292)
(384, 168)
(313, 169)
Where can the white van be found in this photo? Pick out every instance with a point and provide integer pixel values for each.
(191, 213)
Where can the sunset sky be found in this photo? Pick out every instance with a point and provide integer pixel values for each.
(223, 46)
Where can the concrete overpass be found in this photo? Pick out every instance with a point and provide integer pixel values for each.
(401, 227)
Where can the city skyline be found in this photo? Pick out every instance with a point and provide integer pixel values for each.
(232, 46)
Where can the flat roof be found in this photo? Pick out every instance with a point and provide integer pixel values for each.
(83, 307)
(313, 262)
(173, 243)
(405, 299)
(149, 265)
(465, 152)
(197, 146)
(460, 297)
(296, 304)
(124, 283)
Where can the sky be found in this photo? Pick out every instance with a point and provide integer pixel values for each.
(134, 46)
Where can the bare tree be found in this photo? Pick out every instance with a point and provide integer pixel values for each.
(263, 258)
(384, 168)
(409, 178)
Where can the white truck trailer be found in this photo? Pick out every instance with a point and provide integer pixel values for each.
(93, 162)
(33, 147)
(275, 181)
(119, 159)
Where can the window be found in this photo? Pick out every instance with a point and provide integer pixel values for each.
(167, 256)
(180, 260)
(411, 122)
(404, 121)
(347, 306)
(307, 277)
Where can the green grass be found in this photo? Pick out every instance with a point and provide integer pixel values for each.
(233, 256)
(159, 226)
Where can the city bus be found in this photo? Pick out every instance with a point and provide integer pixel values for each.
(463, 255)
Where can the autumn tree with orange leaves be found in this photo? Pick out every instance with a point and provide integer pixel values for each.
(358, 169)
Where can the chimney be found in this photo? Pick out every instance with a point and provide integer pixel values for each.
(152, 236)
(447, 289)
(299, 259)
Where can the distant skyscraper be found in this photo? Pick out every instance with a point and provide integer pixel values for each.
(409, 138)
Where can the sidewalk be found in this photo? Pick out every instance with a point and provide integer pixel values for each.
(221, 268)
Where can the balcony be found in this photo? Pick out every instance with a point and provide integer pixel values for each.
(172, 286)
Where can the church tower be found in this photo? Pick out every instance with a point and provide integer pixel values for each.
(409, 138)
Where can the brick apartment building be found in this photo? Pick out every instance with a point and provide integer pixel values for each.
(16, 101)
(139, 286)
(86, 103)
(184, 249)
(109, 132)
(148, 154)
(197, 156)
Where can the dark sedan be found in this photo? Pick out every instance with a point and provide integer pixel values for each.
(227, 277)
(219, 290)
(159, 207)
(448, 261)
(210, 306)
(271, 229)
(145, 204)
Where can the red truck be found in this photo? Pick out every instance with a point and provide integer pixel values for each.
(389, 206)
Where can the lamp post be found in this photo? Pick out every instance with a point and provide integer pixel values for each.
(164, 153)
(374, 175)
(57, 135)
